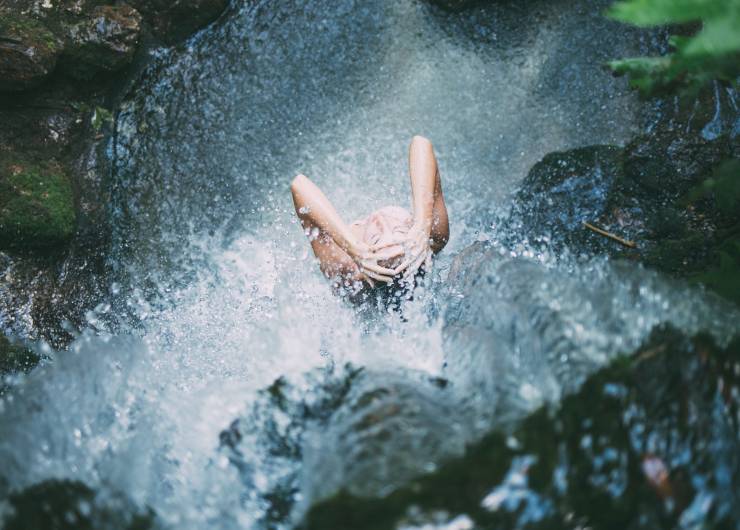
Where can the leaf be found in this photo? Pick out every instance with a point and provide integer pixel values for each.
(646, 13)
(713, 53)
(724, 184)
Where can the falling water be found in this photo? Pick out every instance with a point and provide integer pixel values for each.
(216, 294)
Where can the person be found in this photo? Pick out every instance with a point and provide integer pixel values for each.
(389, 245)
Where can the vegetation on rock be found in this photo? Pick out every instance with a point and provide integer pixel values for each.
(28, 52)
(645, 443)
(36, 205)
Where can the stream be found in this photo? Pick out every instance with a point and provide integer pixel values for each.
(168, 397)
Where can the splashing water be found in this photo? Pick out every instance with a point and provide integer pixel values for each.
(221, 296)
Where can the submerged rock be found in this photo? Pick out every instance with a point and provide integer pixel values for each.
(455, 5)
(649, 442)
(104, 42)
(72, 505)
(355, 430)
(28, 52)
(36, 205)
(174, 21)
(15, 358)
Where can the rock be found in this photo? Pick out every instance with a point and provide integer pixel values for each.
(358, 430)
(15, 358)
(639, 193)
(640, 445)
(28, 52)
(173, 21)
(667, 165)
(566, 189)
(105, 41)
(72, 505)
(455, 5)
(36, 206)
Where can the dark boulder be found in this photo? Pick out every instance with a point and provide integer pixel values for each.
(28, 52)
(566, 189)
(173, 21)
(356, 430)
(36, 205)
(72, 505)
(15, 358)
(650, 441)
(642, 194)
(455, 5)
(105, 41)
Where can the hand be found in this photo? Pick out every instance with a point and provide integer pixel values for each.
(367, 262)
(417, 250)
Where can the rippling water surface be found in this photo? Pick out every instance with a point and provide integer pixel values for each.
(216, 293)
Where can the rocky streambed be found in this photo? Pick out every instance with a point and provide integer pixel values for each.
(544, 376)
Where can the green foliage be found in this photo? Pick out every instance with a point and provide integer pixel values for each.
(101, 116)
(724, 184)
(712, 53)
(725, 278)
(36, 206)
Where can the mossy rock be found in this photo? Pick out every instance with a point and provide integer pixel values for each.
(36, 206)
(28, 52)
(105, 41)
(174, 20)
(626, 451)
(72, 505)
(15, 358)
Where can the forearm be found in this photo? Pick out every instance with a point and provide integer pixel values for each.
(314, 209)
(423, 172)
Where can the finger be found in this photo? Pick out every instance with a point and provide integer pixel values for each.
(379, 277)
(377, 268)
(414, 266)
(367, 279)
(386, 244)
(402, 266)
(388, 254)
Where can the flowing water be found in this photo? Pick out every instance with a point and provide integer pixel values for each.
(216, 294)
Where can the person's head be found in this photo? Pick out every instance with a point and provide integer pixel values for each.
(385, 225)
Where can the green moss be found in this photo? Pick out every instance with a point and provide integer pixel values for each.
(36, 206)
(29, 30)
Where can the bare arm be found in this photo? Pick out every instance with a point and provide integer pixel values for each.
(338, 250)
(430, 212)
(313, 207)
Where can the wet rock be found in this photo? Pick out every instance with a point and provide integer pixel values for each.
(666, 165)
(649, 442)
(355, 430)
(388, 429)
(28, 52)
(456, 5)
(72, 505)
(174, 21)
(15, 358)
(36, 205)
(640, 193)
(566, 189)
(105, 41)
